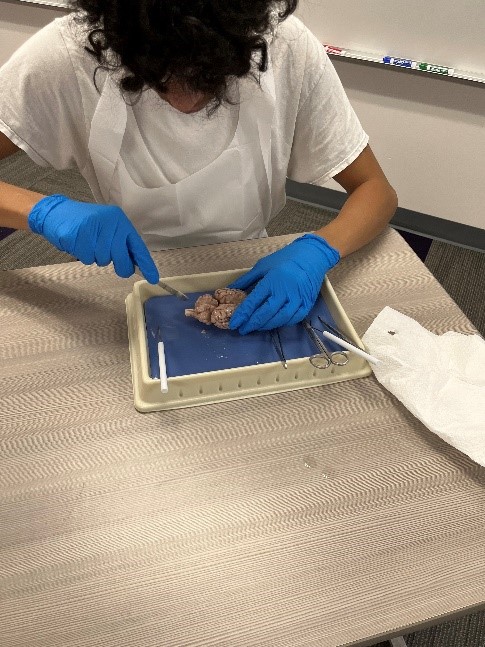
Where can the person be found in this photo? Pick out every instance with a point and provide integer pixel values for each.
(186, 117)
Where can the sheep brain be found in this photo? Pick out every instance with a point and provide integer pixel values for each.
(216, 309)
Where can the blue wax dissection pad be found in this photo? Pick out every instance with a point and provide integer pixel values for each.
(193, 347)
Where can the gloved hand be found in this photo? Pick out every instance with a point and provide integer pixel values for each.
(93, 233)
(289, 284)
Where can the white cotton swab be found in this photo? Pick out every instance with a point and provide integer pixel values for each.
(163, 368)
(354, 349)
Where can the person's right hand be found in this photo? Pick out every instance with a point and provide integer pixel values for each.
(93, 233)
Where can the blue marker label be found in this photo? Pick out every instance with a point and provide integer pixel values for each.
(400, 62)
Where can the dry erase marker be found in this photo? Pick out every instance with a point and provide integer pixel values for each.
(436, 69)
(331, 49)
(399, 62)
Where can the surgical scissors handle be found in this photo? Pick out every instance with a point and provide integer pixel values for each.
(323, 359)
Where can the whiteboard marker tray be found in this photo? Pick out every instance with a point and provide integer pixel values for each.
(197, 386)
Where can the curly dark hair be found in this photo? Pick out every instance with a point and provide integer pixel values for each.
(202, 44)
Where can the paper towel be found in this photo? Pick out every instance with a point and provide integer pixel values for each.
(439, 378)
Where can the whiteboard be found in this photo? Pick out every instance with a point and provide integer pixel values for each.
(49, 3)
(435, 31)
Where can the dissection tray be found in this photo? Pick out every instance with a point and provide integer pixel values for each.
(206, 364)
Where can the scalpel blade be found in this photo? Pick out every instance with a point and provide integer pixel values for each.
(166, 286)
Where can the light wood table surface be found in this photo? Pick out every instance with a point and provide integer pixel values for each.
(316, 518)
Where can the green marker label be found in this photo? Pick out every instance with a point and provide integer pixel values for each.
(436, 69)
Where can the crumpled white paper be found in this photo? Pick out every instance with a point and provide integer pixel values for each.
(439, 378)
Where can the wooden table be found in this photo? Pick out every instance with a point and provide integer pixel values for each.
(320, 517)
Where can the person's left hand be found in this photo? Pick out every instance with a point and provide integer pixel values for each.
(288, 284)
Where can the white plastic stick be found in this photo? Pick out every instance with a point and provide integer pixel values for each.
(354, 349)
(163, 368)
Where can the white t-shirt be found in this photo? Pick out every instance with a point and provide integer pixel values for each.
(48, 100)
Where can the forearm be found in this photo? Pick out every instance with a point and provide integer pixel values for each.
(366, 212)
(15, 205)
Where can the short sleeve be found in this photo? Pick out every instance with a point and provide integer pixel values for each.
(40, 104)
(328, 135)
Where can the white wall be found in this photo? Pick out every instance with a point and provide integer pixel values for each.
(18, 22)
(429, 136)
(428, 132)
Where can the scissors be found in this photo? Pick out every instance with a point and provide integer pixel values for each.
(324, 358)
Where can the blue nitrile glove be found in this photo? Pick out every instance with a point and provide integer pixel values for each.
(93, 233)
(289, 283)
